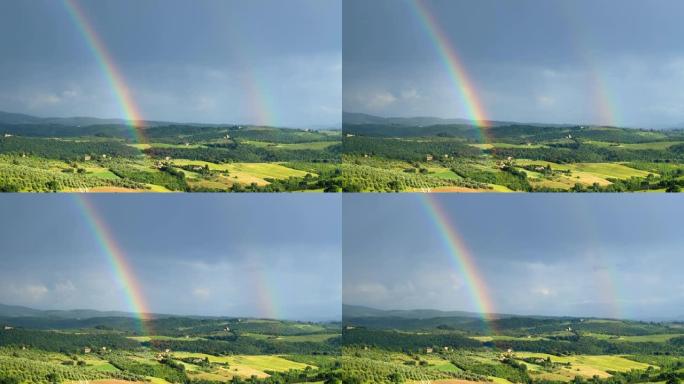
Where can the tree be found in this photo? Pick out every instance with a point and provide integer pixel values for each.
(52, 378)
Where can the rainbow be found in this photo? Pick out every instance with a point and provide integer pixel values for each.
(604, 104)
(116, 258)
(453, 64)
(461, 257)
(604, 272)
(605, 109)
(259, 104)
(263, 292)
(108, 66)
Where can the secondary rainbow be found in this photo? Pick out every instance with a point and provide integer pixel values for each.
(259, 103)
(460, 256)
(604, 104)
(108, 66)
(453, 64)
(116, 258)
(264, 291)
(603, 271)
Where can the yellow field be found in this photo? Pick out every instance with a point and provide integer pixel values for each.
(586, 365)
(319, 145)
(451, 381)
(248, 173)
(245, 365)
(583, 173)
(294, 338)
(600, 170)
(659, 338)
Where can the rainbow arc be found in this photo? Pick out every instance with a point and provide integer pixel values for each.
(453, 64)
(118, 262)
(114, 77)
(462, 260)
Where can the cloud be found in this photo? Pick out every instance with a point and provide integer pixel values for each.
(410, 94)
(66, 286)
(201, 293)
(380, 99)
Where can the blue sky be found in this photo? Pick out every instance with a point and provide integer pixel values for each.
(202, 255)
(183, 61)
(588, 255)
(529, 60)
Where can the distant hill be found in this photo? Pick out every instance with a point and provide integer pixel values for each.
(10, 311)
(83, 121)
(19, 118)
(353, 118)
(351, 311)
(363, 118)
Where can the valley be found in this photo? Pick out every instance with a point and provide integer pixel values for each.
(412, 348)
(167, 349)
(390, 155)
(43, 156)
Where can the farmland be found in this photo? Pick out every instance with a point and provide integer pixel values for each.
(172, 158)
(465, 349)
(111, 350)
(385, 156)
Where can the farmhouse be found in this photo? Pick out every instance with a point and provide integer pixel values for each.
(86, 158)
(86, 350)
(428, 158)
(428, 350)
(8, 327)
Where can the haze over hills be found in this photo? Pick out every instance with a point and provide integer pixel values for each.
(31, 315)
(11, 311)
(354, 118)
(20, 118)
(350, 311)
(82, 121)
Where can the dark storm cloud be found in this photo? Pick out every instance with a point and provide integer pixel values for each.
(529, 60)
(589, 255)
(202, 255)
(183, 61)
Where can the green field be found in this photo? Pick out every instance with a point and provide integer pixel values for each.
(180, 350)
(534, 350)
(511, 157)
(180, 158)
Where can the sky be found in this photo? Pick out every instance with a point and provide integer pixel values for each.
(211, 61)
(202, 255)
(613, 62)
(589, 255)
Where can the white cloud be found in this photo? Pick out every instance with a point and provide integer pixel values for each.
(201, 293)
(380, 99)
